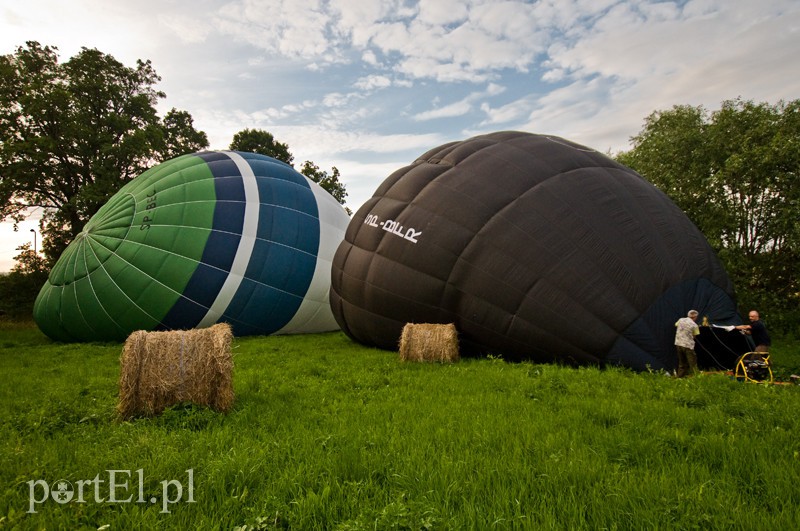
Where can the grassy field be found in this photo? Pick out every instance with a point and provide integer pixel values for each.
(327, 434)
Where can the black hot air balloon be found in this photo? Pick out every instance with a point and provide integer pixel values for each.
(536, 248)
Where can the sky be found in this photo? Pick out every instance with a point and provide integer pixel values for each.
(369, 85)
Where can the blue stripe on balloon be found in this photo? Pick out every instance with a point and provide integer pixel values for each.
(220, 249)
(285, 254)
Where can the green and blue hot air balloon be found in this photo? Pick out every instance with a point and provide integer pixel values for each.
(219, 236)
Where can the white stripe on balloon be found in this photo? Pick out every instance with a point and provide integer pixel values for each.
(246, 243)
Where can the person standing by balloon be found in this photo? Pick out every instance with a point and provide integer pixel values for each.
(686, 329)
(758, 331)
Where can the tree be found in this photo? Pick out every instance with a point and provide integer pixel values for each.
(71, 134)
(19, 288)
(329, 183)
(260, 141)
(179, 136)
(736, 173)
(29, 262)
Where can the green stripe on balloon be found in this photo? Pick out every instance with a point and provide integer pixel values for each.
(131, 262)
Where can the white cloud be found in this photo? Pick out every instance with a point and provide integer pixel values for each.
(357, 19)
(452, 40)
(511, 112)
(188, 29)
(459, 108)
(442, 12)
(336, 99)
(372, 82)
(293, 28)
(701, 54)
(420, 67)
(324, 143)
(370, 58)
(113, 28)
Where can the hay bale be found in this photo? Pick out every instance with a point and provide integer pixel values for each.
(429, 342)
(159, 369)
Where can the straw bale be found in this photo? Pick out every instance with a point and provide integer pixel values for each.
(429, 342)
(160, 369)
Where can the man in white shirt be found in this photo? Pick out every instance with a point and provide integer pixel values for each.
(684, 343)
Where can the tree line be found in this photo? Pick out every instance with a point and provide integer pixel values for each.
(736, 173)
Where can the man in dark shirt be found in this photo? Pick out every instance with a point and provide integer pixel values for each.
(758, 331)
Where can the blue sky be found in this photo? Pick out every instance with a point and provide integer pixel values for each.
(368, 85)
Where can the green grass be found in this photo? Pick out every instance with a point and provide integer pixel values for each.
(328, 434)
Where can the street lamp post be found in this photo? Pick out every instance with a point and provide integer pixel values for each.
(34, 241)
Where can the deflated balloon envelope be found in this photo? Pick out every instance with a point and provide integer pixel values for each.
(203, 238)
(535, 247)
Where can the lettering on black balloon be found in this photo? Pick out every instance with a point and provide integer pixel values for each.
(393, 227)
